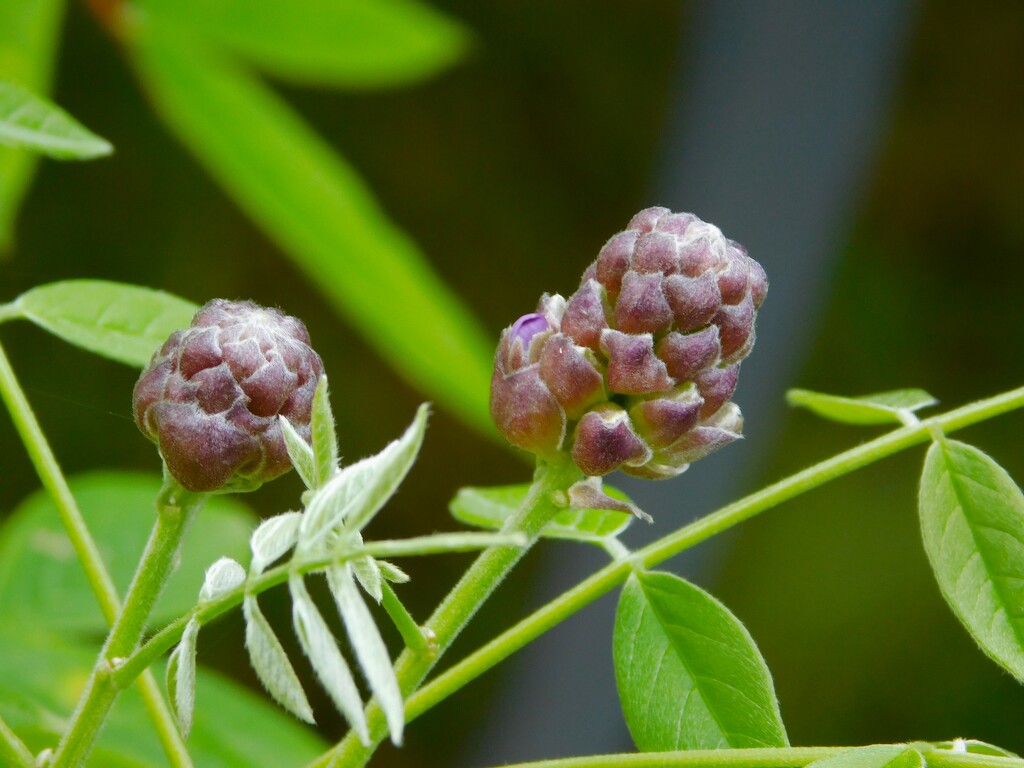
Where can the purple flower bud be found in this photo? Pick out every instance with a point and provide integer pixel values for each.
(613, 260)
(662, 421)
(633, 368)
(687, 354)
(572, 375)
(528, 326)
(526, 412)
(641, 306)
(605, 440)
(658, 326)
(586, 315)
(211, 396)
(694, 300)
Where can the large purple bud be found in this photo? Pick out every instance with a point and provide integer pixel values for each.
(211, 396)
(637, 369)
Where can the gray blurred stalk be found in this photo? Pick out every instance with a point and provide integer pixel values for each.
(780, 107)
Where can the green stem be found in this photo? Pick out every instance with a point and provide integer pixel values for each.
(787, 757)
(176, 508)
(348, 752)
(406, 625)
(9, 311)
(475, 586)
(13, 751)
(96, 573)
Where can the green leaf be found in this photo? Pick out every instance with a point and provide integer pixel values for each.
(270, 662)
(321, 649)
(369, 649)
(41, 581)
(688, 672)
(32, 122)
(42, 674)
(325, 436)
(323, 215)
(357, 493)
(299, 452)
(354, 43)
(880, 408)
(181, 678)
(972, 521)
(879, 756)
(491, 507)
(123, 322)
(29, 30)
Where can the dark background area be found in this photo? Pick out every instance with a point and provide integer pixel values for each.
(510, 171)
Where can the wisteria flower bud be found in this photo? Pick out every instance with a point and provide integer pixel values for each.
(636, 370)
(211, 396)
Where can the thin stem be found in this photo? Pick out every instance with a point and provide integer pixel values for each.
(13, 751)
(788, 757)
(946, 758)
(615, 573)
(176, 508)
(46, 466)
(167, 637)
(406, 625)
(476, 585)
(9, 311)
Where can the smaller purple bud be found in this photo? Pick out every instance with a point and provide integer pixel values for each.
(735, 325)
(648, 218)
(676, 223)
(605, 440)
(633, 368)
(586, 315)
(516, 349)
(663, 420)
(715, 433)
(656, 252)
(694, 300)
(528, 326)
(716, 386)
(572, 375)
(687, 354)
(758, 283)
(733, 280)
(613, 260)
(526, 412)
(641, 306)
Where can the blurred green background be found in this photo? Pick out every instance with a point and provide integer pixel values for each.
(510, 169)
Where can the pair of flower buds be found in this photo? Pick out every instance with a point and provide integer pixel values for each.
(634, 371)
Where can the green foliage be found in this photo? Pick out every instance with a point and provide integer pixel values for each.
(322, 214)
(28, 39)
(689, 674)
(491, 507)
(123, 322)
(41, 581)
(881, 408)
(352, 43)
(30, 121)
(972, 520)
(41, 674)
